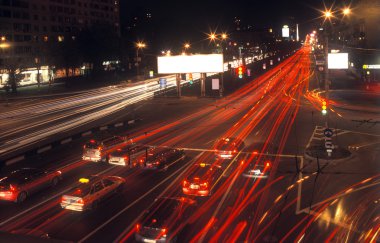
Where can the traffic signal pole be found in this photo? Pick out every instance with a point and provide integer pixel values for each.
(327, 87)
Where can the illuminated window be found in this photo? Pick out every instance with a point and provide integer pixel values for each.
(46, 38)
(61, 38)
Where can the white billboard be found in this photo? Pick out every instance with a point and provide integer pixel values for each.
(212, 63)
(285, 31)
(338, 61)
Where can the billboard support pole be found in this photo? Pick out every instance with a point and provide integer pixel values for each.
(178, 82)
(203, 84)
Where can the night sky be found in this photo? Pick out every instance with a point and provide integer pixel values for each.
(189, 20)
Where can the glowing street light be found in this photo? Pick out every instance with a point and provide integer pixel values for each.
(212, 36)
(187, 46)
(224, 36)
(328, 14)
(346, 11)
(139, 45)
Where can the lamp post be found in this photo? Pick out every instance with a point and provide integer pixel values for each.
(328, 15)
(223, 37)
(139, 45)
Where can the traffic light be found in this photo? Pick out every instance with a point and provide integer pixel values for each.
(240, 72)
(190, 78)
(324, 107)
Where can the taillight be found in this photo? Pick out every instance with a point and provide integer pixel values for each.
(267, 164)
(184, 183)
(163, 231)
(204, 185)
(138, 227)
(99, 148)
(156, 163)
(80, 201)
(12, 188)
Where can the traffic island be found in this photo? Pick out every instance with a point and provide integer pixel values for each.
(319, 151)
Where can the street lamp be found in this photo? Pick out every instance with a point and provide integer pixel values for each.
(346, 11)
(186, 46)
(139, 45)
(223, 36)
(328, 14)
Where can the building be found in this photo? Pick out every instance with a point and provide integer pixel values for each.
(28, 26)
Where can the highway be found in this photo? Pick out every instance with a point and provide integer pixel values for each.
(276, 115)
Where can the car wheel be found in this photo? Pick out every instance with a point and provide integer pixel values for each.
(21, 197)
(54, 182)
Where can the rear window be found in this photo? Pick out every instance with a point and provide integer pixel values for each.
(80, 191)
(92, 145)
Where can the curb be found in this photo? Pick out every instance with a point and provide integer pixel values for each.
(55, 144)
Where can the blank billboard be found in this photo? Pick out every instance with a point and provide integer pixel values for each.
(338, 61)
(285, 31)
(212, 63)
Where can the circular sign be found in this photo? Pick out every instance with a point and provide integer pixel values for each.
(328, 132)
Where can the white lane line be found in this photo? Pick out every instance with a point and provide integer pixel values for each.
(311, 138)
(299, 190)
(121, 236)
(131, 205)
(221, 202)
(31, 208)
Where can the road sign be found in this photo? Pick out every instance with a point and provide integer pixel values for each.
(162, 82)
(328, 132)
(320, 62)
(215, 84)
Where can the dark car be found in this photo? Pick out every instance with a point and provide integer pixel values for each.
(22, 183)
(160, 222)
(227, 148)
(202, 179)
(257, 170)
(161, 158)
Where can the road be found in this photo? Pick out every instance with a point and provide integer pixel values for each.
(303, 199)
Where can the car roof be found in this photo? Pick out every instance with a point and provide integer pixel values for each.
(18, 176)
(202, 169)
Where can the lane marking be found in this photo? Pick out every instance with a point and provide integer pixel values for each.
(45, 201)
(133, 203)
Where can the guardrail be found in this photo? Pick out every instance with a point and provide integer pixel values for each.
(64, 141)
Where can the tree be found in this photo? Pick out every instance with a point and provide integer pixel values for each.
(14, 66)
(99, 43)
